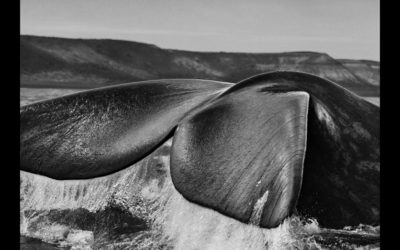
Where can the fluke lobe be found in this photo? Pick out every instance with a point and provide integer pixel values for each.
(256, 151)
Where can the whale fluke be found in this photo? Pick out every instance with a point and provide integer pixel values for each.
(255, 151)
(341, 178)
(225, 158)
(101, 131)
(243, 155)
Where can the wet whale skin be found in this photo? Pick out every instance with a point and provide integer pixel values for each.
(256, 151)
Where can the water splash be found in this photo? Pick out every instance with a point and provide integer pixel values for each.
(133, 191)
(190, 226)
(255, 217)
(139, 208)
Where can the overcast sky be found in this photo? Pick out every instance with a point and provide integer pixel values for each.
(341, 28)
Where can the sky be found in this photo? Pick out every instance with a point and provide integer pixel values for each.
(341, 28)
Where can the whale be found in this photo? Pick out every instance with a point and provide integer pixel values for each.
(259, 151)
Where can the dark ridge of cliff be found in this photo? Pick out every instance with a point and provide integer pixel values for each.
(90, 63)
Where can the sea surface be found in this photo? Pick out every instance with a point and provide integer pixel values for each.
(139, 208)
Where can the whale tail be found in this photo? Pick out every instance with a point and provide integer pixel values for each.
(254, 151)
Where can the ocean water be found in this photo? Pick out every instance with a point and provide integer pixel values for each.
(139, 208)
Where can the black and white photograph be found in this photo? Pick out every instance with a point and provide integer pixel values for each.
(199, 125)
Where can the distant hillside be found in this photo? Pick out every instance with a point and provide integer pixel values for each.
(366, 70)
(88, 63)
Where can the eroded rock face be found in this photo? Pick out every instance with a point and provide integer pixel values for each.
(369, 71)
(85, 63)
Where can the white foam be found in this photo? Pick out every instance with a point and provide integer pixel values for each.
(175, 222)
(258, 209)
